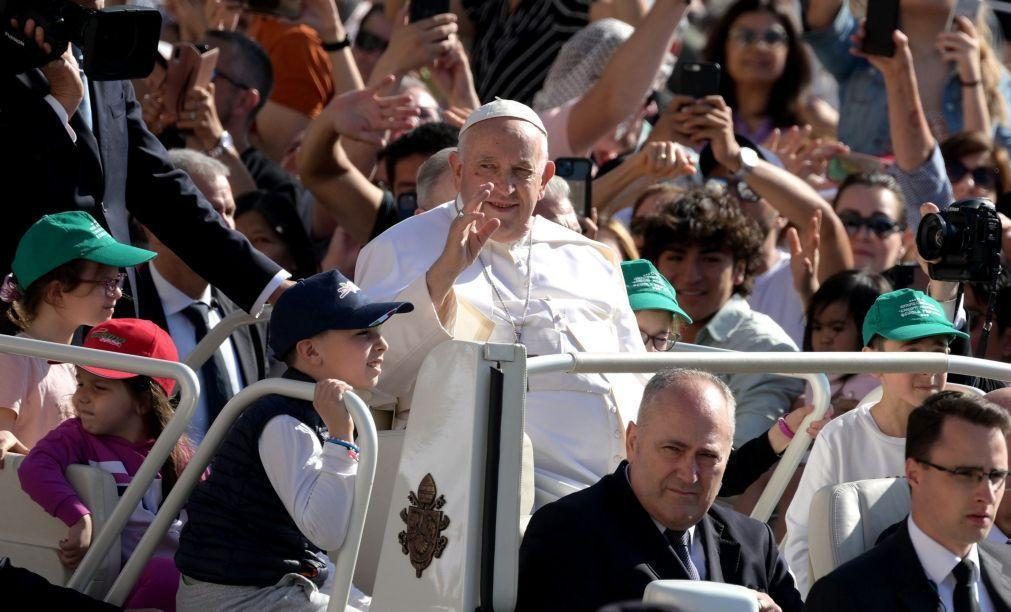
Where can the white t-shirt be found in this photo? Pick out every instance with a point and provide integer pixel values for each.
(851, 447)
(38, 391)
(775, 295)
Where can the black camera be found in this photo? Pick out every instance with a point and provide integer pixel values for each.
(119, 42)
(962, 243)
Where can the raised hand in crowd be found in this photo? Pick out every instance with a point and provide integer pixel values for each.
(64, 78)
(413, 45)
(961, 47)
(804, 155)
(451, 72)
(366, 116)
(655, 161)
(804, 250)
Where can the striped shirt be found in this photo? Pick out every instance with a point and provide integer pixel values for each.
(513, 51)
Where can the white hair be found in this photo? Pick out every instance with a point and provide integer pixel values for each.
(198, 165)
(430, 171)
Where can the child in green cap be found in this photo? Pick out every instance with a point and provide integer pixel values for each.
(655, 304)
(66, 274)
(869, 441)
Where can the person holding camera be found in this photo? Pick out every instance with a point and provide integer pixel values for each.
(76, 143)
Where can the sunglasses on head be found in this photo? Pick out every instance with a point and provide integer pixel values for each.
(369, 42)
(747, 36)
(218, 74)
(737, 189)
(983, 176)
(878, 223)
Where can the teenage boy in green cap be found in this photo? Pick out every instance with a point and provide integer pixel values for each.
(869, 441)
(655, 304)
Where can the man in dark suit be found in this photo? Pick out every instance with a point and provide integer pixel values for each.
(66, 145)
(654, 518)
(187, 307)
(956, 465)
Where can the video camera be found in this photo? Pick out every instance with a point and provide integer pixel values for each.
(963, 243)
(119, 42)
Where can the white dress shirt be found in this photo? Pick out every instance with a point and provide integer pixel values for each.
(578, 302)
(938, 561)
(183, 333)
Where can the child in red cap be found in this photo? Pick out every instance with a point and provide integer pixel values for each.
(119, 417)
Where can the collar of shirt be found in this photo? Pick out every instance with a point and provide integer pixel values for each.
(172, 300)
(997, 536)
(727, 319)
(938, 561)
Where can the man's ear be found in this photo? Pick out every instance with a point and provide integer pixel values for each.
(456, 165)
(740, 268)
(306, 351)
(913, 471)
(631, 438)
(251, 100)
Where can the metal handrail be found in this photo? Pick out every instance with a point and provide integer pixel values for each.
(216, 336)
(344, 559)
(189, 389)
(777, 363)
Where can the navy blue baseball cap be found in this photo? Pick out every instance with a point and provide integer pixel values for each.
(323, 302)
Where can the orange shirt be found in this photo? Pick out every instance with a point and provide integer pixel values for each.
(303, 78)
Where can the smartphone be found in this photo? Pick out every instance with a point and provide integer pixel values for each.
(289, 9)
(181, 64)
(203, 72)
(845, 164)
(423, 9)
(577, 173)
(882, 21)
(962, 8)
(695, 79)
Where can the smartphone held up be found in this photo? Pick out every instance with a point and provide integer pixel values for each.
(879, 29)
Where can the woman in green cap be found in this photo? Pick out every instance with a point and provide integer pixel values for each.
(66, 274)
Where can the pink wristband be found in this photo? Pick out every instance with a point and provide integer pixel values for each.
(783, 427)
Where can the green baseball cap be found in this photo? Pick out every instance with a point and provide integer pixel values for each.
(649, 290)
(63, 237)
(907, 314)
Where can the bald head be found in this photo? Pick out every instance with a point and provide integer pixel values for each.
(704, 387)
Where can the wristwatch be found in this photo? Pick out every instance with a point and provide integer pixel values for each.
(748, 159)
(225, 143)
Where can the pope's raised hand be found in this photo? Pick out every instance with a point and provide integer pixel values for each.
(467, 236)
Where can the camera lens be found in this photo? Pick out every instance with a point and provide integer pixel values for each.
(930, 237)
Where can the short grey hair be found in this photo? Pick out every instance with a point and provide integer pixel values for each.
(557, 189)
(684, 377)
(198, 165)
(431, 170)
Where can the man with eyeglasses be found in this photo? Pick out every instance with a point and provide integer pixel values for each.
(1000, 533)
(937, 558)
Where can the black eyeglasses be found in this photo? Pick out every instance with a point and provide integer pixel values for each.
(737, 189)
(970, 476)
(112, 285)
(219, 74)
(747, 36)
(661, 342)
(983, 176)
(878, 223)
(369, 42)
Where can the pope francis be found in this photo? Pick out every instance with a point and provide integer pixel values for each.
(483, 268)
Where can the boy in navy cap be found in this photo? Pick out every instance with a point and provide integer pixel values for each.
(281, 484)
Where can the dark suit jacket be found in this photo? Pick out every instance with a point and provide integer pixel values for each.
(250, 341)
(889, 578)
(599, 546)
(121, 168)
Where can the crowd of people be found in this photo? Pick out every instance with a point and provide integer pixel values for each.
(757, 178)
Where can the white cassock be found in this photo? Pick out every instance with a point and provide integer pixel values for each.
(578, 302)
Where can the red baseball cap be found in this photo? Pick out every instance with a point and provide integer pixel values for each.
(132, 337)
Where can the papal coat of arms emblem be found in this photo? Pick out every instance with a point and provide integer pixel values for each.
(423, 541)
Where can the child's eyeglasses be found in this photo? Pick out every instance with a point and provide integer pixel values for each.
(877, 223)
(747, 36)
(661, 342)
(112, 285)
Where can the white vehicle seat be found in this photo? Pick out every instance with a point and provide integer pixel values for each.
(690, 595)
(846, 519)
(30, 536)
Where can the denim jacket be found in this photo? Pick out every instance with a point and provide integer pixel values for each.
(863, 116)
